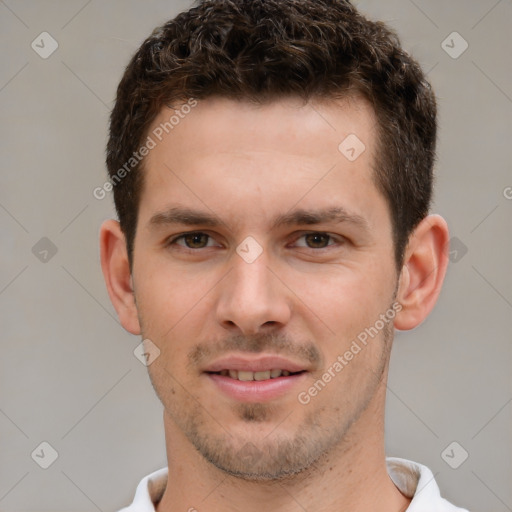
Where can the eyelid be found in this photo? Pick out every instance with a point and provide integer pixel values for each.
(338, 239)
(172, 240)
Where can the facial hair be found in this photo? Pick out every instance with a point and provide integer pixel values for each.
(279, 455)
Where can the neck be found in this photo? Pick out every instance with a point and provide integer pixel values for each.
(351, 476)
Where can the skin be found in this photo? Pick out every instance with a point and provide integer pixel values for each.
(305, 297)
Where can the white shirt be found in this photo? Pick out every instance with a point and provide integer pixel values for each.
(412, 479)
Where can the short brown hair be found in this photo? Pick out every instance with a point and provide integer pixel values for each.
(261, 50)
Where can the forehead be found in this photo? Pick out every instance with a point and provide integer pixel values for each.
(287, 124)
(230, 155)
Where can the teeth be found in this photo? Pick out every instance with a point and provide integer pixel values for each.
(262, 375)
(246, 376)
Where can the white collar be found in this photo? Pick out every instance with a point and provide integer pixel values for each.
(412, 479)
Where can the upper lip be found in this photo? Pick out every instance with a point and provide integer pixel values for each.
(260, 364)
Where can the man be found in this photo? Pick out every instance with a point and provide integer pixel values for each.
(271, 163)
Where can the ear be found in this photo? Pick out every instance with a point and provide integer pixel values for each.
(116, 272)
(423, 271)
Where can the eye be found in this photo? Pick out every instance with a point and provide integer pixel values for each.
(316, 240)
(193, 240)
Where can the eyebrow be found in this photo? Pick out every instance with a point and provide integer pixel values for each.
(190, 217)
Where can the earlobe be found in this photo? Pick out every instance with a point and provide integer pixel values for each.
(423, 272)
(116, 272)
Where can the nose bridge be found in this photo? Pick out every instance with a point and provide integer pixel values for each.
(251, 295)
(251, 277)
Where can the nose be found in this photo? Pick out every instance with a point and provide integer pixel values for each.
(252, 298)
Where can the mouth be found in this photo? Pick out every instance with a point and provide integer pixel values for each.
(255, 380)
(247, 376)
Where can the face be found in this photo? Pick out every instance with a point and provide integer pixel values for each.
(263, 255)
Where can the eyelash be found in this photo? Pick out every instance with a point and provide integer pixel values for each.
(337, 240)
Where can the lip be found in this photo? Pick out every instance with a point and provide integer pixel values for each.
(259, 364)
(256, 391)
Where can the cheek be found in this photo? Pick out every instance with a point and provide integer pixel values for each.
(347, 301)
(174, 310)
(165, 296)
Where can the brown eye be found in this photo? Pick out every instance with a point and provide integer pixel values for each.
(317, 240)
(192, 240)
(196, 240)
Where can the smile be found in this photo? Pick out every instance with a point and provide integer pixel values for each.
(256, 387)
(247, 376)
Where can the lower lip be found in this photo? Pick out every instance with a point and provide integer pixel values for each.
(256, 390)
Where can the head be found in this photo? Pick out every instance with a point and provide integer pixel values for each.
(245, 230)
(261, 51)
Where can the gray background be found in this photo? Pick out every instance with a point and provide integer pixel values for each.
(68, 375)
